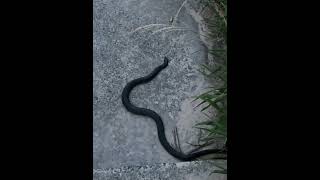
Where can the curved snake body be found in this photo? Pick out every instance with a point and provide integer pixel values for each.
(149, 113)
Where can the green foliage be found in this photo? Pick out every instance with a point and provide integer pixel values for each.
(216, 98)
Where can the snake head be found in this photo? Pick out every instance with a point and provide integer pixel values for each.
(166, 61)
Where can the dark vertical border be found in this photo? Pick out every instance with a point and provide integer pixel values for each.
(243, 82)
(71, 28)
(85, 80)
(49, 97)
(72, 24)
(256, 93)
(82, 149)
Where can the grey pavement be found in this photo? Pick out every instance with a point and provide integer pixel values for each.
(196, 170)
(121, 138)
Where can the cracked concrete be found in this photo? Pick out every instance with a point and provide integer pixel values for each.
(196, 170)
(121, 138)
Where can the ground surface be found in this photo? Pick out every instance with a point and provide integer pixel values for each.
(121, 139)
(196, 170)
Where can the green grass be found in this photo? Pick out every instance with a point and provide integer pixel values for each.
(215, 127)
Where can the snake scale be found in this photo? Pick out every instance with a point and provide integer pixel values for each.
(160, 126)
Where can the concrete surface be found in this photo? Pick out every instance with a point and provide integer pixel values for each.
(196, 170)
(121, 138)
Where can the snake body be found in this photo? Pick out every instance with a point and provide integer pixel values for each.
(160, 126)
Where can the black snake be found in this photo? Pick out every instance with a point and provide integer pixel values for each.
(160, 127)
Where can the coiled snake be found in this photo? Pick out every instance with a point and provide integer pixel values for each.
(160, 127)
